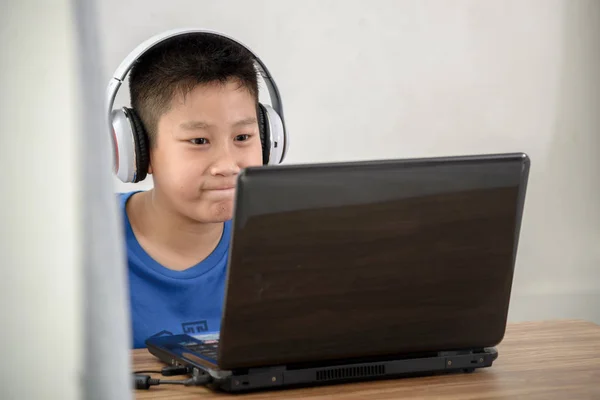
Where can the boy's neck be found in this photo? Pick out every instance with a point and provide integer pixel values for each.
(172, 240)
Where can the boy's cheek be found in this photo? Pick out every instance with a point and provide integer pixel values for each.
(178, 183)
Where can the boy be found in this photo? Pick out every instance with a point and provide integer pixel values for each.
(197, 97)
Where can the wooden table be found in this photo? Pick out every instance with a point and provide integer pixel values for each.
(537, 360)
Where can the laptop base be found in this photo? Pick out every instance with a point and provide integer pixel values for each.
(173, 350)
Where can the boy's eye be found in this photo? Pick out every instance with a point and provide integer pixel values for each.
(199, 141)
(242, 138)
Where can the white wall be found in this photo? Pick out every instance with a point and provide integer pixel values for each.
(40, 246)
(378, 79)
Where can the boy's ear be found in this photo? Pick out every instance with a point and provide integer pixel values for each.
(149, 164)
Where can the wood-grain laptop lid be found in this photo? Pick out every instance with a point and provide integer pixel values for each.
(363, 259)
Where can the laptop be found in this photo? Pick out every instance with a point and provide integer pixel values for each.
(363, 270)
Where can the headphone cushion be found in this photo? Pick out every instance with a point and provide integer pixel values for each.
(264, 132)
(140, 138)
(275, 135)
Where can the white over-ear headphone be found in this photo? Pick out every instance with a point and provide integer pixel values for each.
(131, 150)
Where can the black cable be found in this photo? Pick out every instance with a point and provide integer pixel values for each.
(163, 382)
(145, 381)
(175, 370)
(198, 378)
(169, 370)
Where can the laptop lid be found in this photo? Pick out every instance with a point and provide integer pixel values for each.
(365, 259)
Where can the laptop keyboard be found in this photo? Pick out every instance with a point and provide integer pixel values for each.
(208, 348)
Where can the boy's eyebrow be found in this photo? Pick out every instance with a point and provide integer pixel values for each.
(246, 121)
(194, 125)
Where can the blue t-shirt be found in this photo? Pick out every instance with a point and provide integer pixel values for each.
(167, 302)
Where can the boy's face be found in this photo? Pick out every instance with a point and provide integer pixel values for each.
(203, 142)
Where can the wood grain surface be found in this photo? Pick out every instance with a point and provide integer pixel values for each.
(537, 360)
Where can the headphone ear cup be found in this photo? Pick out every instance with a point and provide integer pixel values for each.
(124, 146)
(140, 138)
(275, 142)
(265, 135)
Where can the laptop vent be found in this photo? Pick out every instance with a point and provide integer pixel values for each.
(350, 372)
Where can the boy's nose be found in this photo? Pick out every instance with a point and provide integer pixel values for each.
(225, 166)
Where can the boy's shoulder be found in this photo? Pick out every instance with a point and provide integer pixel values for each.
(123, 197)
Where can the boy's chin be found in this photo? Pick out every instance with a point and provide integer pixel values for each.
(219, 212)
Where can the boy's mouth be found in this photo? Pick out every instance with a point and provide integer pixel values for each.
(221, 186)
(220, 194)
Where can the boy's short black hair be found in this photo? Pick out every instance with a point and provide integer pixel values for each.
(180, 64)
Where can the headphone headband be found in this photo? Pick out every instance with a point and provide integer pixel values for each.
(129, 61)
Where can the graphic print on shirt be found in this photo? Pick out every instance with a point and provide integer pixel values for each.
(188, 328)
(191, 328)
